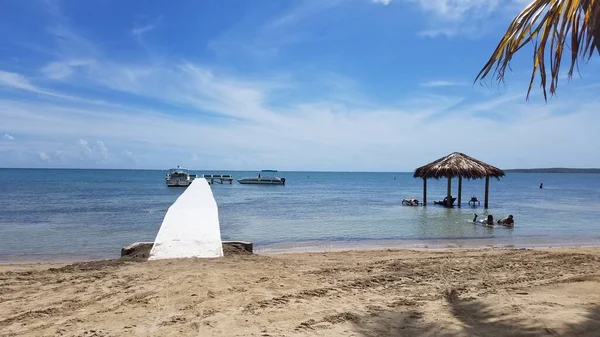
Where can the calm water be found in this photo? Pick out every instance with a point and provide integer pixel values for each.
(62, 214)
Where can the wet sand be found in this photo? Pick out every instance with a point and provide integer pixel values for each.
(475, 292)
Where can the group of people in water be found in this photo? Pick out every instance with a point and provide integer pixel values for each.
(508, 222)
(489, 221)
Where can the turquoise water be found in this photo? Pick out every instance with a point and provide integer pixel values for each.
(63, 214)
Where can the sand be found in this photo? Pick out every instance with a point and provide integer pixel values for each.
(486, 292)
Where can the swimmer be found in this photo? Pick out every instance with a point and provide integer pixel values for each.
(487, 222)
(411, 202)
(508, 222)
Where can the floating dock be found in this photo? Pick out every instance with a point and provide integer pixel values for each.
(190, 227)
(220, 178)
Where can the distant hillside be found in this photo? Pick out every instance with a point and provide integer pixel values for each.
(554, 170)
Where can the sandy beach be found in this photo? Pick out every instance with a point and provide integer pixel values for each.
(476, 292)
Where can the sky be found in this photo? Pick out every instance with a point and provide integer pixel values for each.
(328, 85)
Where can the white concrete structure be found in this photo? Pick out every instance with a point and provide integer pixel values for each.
(190, 227)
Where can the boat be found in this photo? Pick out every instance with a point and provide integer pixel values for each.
(179, 177)
(265, 177)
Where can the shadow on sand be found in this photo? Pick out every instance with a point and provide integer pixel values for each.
(471, 318)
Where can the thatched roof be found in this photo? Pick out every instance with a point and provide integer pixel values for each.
(458, 165)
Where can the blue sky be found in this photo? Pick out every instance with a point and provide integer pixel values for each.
(358, 85)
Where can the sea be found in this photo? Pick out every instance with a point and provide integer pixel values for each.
(68, 214)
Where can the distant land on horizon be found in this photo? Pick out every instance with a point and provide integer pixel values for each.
(521, 170)
(555, 170)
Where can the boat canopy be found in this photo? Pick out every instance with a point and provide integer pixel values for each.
(271, 171)
(178, 170)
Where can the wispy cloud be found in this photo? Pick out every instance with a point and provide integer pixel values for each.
(464, 17)
(263, 38)
(441, 83)
(44, 157)
(298, 136)
(303, 11)
(99, 152)
(16, 81)
(457, 10)
(8, 137)
(383, 2)
(142, 27)
(168, 110)
(141, 30)
(60, 70)
(237, 116)
(129, 155)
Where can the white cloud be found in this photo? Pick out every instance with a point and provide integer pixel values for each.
(8, 137)
(246, 124)
(44, 157)
(465, 17)
(98, 153)
(129, 157)
(86, 148)
(14, 80)
(21, 82)
(383, 2)
(102, 151)
(305, 10)
(141, 30)
(144, 26)
(456, 10)
(237, 116)
(441, 83)
(315, 135)
(59, 70)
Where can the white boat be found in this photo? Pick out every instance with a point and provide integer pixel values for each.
(179, 177)
(265, 177)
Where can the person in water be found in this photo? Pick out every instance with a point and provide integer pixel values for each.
(488, 222)
(412, 202)
(508, 222)
(541, 185)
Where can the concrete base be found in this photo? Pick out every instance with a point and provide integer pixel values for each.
(137, 251)
(141, 250)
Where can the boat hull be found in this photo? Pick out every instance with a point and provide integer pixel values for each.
(179, 178)
(178, 183)
(259, 182)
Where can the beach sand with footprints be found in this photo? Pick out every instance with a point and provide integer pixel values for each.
(479, 292)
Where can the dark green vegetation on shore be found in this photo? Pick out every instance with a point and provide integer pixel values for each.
(554, 170)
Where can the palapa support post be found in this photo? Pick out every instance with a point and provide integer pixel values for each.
(449, 194)
(459, 189)
(424, 191)
(487, 192)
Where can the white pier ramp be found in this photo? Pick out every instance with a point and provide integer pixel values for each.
(190, 227)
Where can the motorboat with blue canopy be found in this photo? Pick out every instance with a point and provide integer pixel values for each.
(265, 177)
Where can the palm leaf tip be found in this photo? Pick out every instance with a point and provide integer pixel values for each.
(550, 25)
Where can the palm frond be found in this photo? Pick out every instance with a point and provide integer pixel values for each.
(550, 22)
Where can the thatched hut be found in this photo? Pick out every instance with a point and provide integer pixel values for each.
(458, 165)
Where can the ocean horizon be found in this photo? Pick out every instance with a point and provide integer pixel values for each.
(81, 214)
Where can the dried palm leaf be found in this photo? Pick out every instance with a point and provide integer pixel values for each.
(554, 22)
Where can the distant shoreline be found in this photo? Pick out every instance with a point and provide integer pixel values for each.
(532, 170)
(555, 170)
